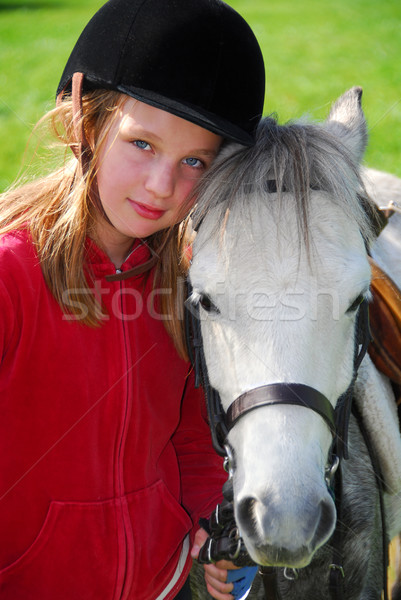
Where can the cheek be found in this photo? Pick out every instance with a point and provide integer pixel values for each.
(108, 174)
(116, 176)
(183, 193)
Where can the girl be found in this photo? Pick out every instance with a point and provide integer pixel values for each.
(106, 461)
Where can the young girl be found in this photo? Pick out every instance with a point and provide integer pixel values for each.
(106, 460)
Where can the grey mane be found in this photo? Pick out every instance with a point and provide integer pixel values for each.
(297, 157)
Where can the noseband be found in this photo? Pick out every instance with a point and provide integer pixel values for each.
(281, 393)
(294, 394)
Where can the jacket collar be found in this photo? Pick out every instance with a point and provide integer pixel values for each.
(138, 258)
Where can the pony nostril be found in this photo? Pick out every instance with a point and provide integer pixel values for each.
(326, 523)
(246, 513)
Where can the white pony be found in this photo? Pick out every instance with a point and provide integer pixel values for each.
(279, 271)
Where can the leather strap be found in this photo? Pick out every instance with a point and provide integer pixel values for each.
(83, 147)
(336, 573)
(135, 271)
(146, 266)
(269, 578)
(282, 393)
(76, 97)
(224, 541)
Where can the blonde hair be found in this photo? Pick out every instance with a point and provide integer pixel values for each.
(60, 210)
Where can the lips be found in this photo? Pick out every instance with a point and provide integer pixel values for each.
(145, 211)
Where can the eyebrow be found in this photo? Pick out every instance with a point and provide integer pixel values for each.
(202, 152)
(137, 131)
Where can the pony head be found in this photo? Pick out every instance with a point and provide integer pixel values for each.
(279, 270)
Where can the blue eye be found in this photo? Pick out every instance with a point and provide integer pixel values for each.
(141, 144)
(193, 162)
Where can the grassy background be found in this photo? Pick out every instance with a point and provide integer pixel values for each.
(314, 50)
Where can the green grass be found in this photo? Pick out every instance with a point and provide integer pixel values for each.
(314, 50)
(36, 38)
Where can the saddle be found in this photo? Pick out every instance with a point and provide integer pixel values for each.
(385, 326)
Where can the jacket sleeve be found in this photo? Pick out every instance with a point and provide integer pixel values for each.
(201, 468)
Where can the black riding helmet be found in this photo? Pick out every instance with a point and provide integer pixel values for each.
(197, 59)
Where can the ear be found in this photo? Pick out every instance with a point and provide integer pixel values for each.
(347, 122)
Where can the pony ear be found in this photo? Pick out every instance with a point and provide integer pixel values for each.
(347, 122)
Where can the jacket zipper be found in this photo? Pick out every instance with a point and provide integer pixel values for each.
(126, 416)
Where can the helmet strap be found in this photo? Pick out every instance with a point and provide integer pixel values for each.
(77, 112)
(82, 148)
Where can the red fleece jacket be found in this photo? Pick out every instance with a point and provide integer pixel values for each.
(105, 464)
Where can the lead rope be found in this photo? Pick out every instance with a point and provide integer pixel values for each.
(337, 575)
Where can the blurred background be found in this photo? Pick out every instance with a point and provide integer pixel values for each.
(314, 50)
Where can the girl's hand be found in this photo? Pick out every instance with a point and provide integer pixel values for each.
(224, 581)
(215, 574)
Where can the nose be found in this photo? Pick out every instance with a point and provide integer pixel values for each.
(160, 179)
(304, 528)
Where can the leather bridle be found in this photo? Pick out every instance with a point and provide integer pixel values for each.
(337, 420)
(222, 422)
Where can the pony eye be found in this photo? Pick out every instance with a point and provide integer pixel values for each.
(207, 304)
(356, 303)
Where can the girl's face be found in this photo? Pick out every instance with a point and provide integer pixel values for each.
(148, 166)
